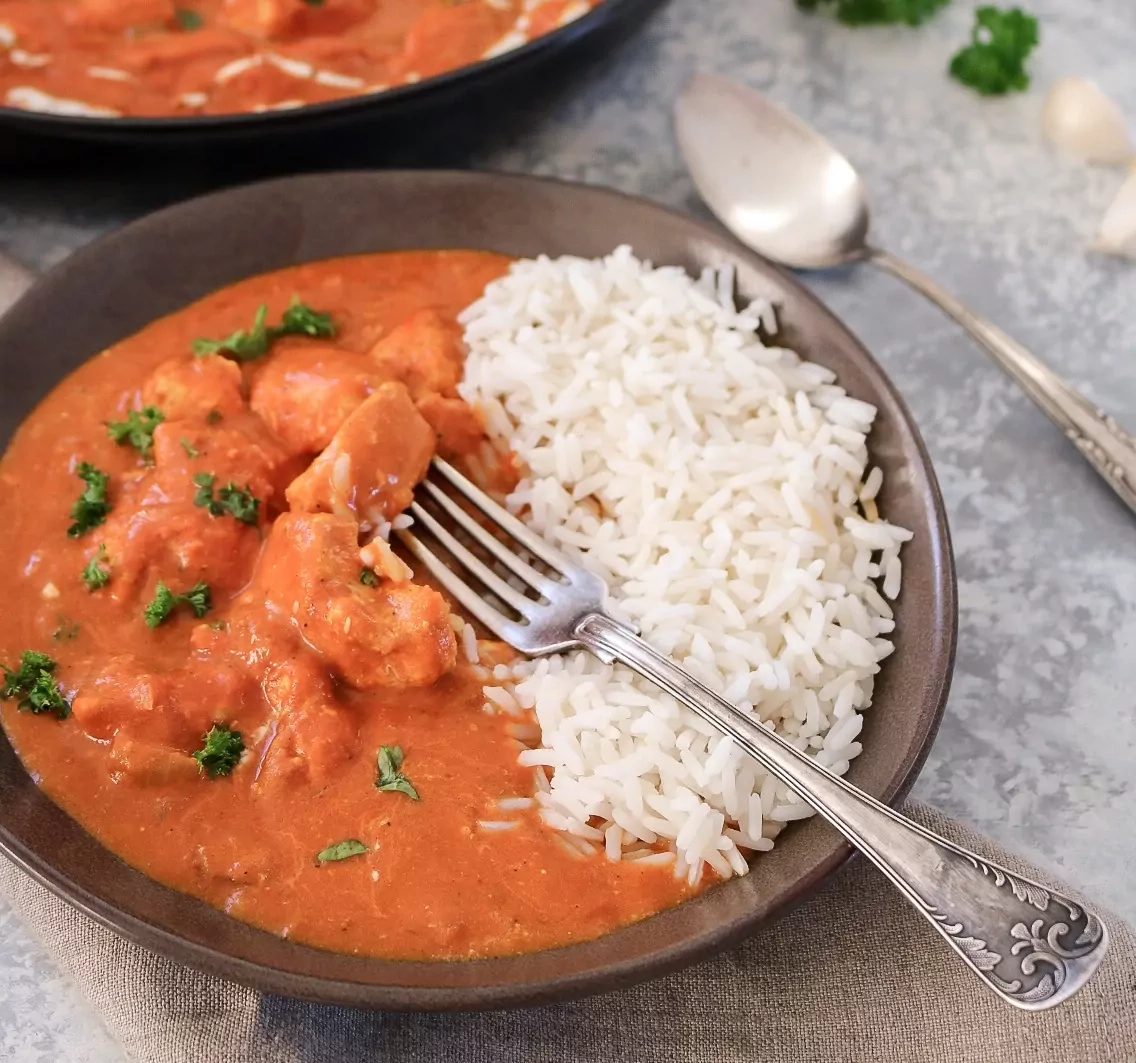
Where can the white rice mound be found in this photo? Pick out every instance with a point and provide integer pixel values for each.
(722, 489)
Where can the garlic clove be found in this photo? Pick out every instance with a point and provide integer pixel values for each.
(1117, 235)
(1079, 118)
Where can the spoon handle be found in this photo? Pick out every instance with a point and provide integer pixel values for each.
(1105, 445)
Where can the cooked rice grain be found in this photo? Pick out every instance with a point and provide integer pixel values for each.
(715, 483)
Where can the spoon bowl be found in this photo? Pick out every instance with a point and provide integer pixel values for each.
(771, 179)
(781, 188)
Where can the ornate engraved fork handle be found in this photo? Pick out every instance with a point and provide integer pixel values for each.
(1105, 445)
(1032, 946)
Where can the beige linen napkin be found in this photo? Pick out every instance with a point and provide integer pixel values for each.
(851, 976)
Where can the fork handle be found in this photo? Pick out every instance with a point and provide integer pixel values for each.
(1032, 946)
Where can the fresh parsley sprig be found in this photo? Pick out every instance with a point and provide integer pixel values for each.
(188, 19)
(299, 319)
(165, 601)
(242, 504)
(245, 345)
(221, 752)
(94, 575)
(92, 506)
(33, 682)
(878, 12)
(1000, 43)
(137, 429)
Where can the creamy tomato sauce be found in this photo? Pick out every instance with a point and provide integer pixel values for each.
(314, 668)
(106, 58)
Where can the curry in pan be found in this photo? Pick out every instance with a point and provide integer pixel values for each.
(109, 58)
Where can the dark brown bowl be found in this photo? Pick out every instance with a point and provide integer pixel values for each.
(154, 266)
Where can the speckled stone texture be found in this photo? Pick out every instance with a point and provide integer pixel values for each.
(1039, 742)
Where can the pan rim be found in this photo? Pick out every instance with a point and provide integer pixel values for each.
(235, 123)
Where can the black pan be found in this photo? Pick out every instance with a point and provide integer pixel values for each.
(357, 127)
(112, 288)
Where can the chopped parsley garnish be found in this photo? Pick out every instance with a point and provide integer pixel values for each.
(166, 601)
(91, 507)
(137, 429)
(301, 320)
(221, 752)
(67, 630)
(189, 448)
(242, 504)
(33, 683)
(94, 575)
(247, 344)
(203, 496)
(188, 19)
(341, 851)
(369, 577)
(213, 416)
(390, 775)
(243, 344)
(994, 62)
(878, 12)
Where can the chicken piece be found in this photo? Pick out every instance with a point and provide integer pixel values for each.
(179, 55)
(308, 747)
(395, 634)
(124, 696)
(120, 15)
(150, 763)
(424, 352)
(298, 680)
(180, 544)
(236, 450)
(309, 736)
(369, 470)
(295, 18)
(305, 393)
(261, 18)
(195, 388)
(172, 710)
(445, 35)
(157, 529)
(457, 425)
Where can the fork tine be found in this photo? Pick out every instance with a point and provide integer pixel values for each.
(528, 539)
(536, 580)
(500, 625)
(463, 556)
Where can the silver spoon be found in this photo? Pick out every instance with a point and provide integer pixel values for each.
(781, 188)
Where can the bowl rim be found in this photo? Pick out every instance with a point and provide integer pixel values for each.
(345, 108)
(412, 995)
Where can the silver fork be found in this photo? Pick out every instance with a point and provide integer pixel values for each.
(1030, 945)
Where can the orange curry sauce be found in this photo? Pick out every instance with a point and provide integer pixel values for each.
(316, 669)
(184, 57)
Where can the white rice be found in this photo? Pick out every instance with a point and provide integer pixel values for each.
(716, 484)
